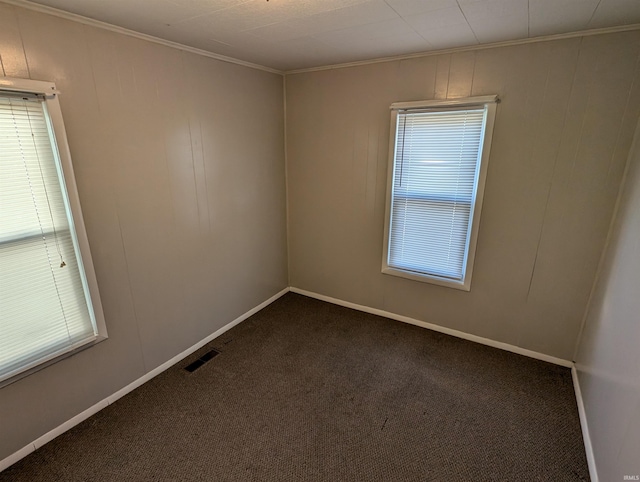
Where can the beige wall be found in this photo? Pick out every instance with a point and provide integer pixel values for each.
(186, 218)
(179, 161)
(561, 139)
(608, 360)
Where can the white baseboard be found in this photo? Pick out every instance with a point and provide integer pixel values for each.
(69, 424)
(591, 461)
(440, 329)
(156, 371)
(14, 457)
(40, 441)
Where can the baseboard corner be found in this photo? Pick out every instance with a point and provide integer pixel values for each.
(82, 416)
(440, 329)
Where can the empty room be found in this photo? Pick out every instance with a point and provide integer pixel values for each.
(321, 240)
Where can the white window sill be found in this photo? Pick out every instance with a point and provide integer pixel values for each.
(425, 278)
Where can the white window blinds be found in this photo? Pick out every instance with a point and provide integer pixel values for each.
(44, 307)
(436, 165)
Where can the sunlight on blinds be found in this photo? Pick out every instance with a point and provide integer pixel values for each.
(435, 175)
(43, 307)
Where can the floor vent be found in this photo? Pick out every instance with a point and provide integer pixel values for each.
(202, 360)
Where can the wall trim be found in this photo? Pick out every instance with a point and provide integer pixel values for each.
(286, 174)
(132, 33)
(59, 430)
(635, 146)
(441, 329)
(591, 461)
(493, 45)
(42, 440)
(205, 53)
(16, 456)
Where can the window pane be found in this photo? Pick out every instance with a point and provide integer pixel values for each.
(43, 308)
(435, 173)
(429, 235)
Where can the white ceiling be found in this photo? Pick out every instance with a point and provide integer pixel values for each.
(294, 34)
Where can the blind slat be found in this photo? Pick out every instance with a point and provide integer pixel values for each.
(435, 173)
(43, 308)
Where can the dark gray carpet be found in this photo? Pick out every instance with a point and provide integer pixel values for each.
(305, 390)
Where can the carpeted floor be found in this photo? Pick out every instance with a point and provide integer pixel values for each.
(306, 390)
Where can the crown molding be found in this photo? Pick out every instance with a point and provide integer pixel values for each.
(205, 53)
(493, 45)
(131, 33)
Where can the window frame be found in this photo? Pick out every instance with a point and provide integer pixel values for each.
(489, 102)
(62, 156)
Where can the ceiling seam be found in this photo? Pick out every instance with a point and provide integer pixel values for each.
(205, 53)
(493, 45)
(212, 12)
(467, 20)
(132, 33)
(593, 14)
(407, 23)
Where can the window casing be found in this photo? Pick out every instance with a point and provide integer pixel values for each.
(49, 301)
(439, 152)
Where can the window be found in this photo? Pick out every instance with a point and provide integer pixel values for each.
(49, 303)
(437, 168)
